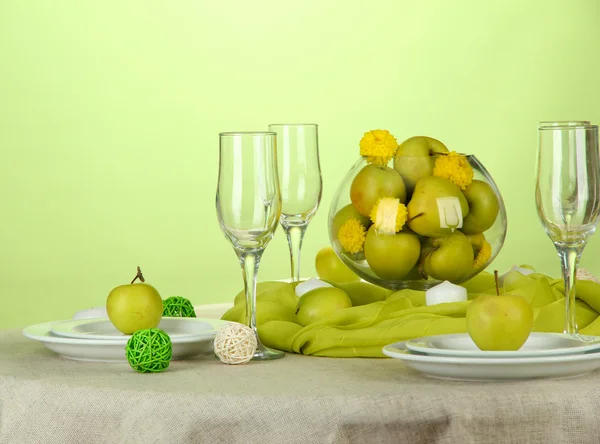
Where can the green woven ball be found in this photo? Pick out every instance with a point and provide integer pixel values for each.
(177, 306)
(149, 350)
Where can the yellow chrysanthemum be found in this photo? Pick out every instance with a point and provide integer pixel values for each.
(482, 250)
(352, 236)
(378, 146)
(388, 211)
(454, 167)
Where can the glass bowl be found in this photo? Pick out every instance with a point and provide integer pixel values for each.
(432, 246)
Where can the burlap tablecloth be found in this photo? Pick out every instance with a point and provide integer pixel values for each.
(298, 399)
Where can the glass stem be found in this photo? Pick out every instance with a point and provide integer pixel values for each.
(569, 254)
(250, 261)
(295, 235)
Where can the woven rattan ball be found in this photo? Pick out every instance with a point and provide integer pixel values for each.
(149, 350)
(235, 343)
(177, 306)
(585, 275)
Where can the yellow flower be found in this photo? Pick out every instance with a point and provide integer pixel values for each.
(378, 147)
(389, 210)
(454, 167)
(482, 250)
(352, 235)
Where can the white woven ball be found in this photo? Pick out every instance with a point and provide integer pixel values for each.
(585, 275)
(235, 343)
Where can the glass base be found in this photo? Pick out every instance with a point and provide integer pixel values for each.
(579, 337)
(265, 353)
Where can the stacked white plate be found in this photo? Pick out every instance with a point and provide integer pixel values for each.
(98, 340)
(544, 355)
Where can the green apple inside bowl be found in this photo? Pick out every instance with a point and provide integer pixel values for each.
(449, 232)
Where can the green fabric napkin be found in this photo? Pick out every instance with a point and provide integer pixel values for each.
(379, 317)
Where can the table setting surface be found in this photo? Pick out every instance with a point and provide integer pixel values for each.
(406, 261)
(46, 398)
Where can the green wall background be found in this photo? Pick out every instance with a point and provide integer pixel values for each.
(110, 111)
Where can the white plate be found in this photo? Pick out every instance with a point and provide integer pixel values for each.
(102, 328)
(490, 369)
(537, 345)
(99, 350)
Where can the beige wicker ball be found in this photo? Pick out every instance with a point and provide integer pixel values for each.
(585, 275)
(235, 343)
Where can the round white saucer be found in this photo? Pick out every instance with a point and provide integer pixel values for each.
(491, 369)
(102, 328)
(111, 350)
(537, 345)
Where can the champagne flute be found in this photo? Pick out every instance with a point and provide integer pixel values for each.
(300, 183)
(567, 196)
(248, 208)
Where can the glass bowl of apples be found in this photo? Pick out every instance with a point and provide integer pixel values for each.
(414, 214)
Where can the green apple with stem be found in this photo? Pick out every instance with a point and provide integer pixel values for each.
(437, 207)
(415, 159)
(134, 306)
(483, 207)
(500, 322)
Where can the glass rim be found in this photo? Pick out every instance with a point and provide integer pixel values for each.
(468, 155)
(293, 124)
(563, 122)
(246, 133)
(566, 127)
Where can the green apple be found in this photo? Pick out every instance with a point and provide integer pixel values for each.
(415, 159)
(273, 303)
(268, 311)
(372, 183)
(436, 208)
(499, 322)
(135, 306)
(364, 293)
(483, 207)
(348, 212)
(330, 267)
(320, 303)
(449, 258)
(265, 289)
(391, 256)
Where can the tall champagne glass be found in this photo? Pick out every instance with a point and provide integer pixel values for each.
(248, 208)
(300, 183)
(567, 196)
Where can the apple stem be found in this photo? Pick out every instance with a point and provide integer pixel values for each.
(496, 282)
(421, 269)
(415, 216)
(139, 276)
